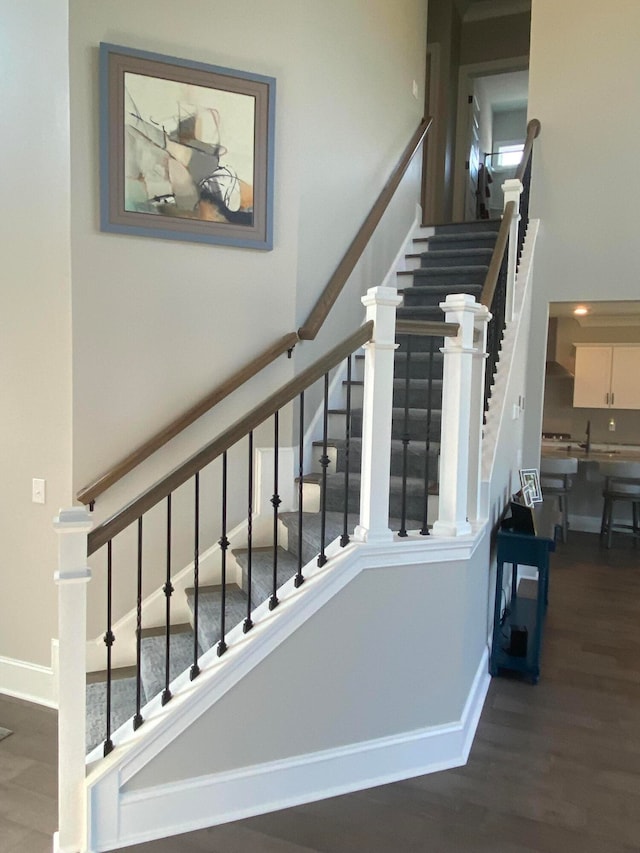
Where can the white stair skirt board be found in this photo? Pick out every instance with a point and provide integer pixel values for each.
(117, 819)
(220, 798)
(28, 681)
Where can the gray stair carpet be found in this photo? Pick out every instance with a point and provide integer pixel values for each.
(123, 706)
(454, 260)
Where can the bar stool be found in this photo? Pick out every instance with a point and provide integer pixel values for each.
(555, 479)
(622, 483)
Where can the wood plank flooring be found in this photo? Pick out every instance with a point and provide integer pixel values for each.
(555, 768)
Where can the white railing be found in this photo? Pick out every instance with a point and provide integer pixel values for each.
(459, 506)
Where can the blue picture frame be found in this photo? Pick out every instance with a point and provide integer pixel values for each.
(186, 149)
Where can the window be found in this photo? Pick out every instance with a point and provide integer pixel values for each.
(510, 155)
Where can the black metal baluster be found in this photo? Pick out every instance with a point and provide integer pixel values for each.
(299, 578)
(425, 525)
(324, 462)
(405, 443)
(109, 640)
(344, 539)
(137, 720)
(168, 591)
(195, 669)
(223, 542)
(248, 622)
(275, 503)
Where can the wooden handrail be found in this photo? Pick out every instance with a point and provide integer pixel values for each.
(133, 510)
(88, 494)
(428, 328)
(533, 131)
(91, 492)
(491, 279)
(334, 286)
(488, 289)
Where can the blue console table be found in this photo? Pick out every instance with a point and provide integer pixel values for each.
(529, 550)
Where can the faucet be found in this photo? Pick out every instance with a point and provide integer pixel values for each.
(587, 445)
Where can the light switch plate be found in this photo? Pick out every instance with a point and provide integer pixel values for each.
(38, 490)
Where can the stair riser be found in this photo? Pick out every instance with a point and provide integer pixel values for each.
(415, 504)
(426, 277)
(416, 426)
(432, 297)
(418, 368)
(448, 242)
(476, 258)
(482, 225)
(418, 394)
(432, 313)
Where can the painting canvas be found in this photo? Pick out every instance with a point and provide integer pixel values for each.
(187, 149)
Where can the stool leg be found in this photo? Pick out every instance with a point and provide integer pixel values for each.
(636, 525)
(610, 503)
(603, 525)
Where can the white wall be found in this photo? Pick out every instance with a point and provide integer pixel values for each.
(584, 70)
(35, 339)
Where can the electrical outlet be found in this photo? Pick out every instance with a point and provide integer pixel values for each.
(414, 89)
(38, 491)
(612, 425)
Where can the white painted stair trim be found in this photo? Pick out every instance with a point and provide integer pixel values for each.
(110, 811)
(507, 397)
(223, 797)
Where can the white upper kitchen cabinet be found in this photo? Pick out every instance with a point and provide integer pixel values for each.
(607, 376)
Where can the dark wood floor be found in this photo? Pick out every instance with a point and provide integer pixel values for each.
(554, 768)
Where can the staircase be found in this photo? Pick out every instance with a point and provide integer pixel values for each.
(454, 259)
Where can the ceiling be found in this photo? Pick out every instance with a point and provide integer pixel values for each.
(600, 313)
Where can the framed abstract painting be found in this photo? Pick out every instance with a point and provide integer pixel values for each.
(186, 149)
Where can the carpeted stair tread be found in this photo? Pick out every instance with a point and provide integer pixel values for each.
(123, 707)
(262, 571)
(209, 611)
(152, 662)
(462, 240)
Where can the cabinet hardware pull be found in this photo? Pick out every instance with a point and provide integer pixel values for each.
(613, 397)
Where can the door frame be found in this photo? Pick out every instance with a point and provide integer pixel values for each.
(466, 74)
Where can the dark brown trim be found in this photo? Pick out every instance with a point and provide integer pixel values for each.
(318, 315)
(91, 492)
(428, 328)
(533, 131)
(132, 511)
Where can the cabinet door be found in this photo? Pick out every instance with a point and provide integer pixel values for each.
(593, 377)
(625, 378)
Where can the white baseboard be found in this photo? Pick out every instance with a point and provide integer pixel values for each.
(219, 798)
(28, 681)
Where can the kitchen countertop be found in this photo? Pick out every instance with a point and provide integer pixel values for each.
(598, 453)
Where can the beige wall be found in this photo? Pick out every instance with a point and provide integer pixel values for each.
(584, 63)
(156, 323)
(35, 340)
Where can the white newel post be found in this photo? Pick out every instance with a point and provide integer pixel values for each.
(512, 190)
(479, 357)
(381, 303)
(457, 384)
(72, 527)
